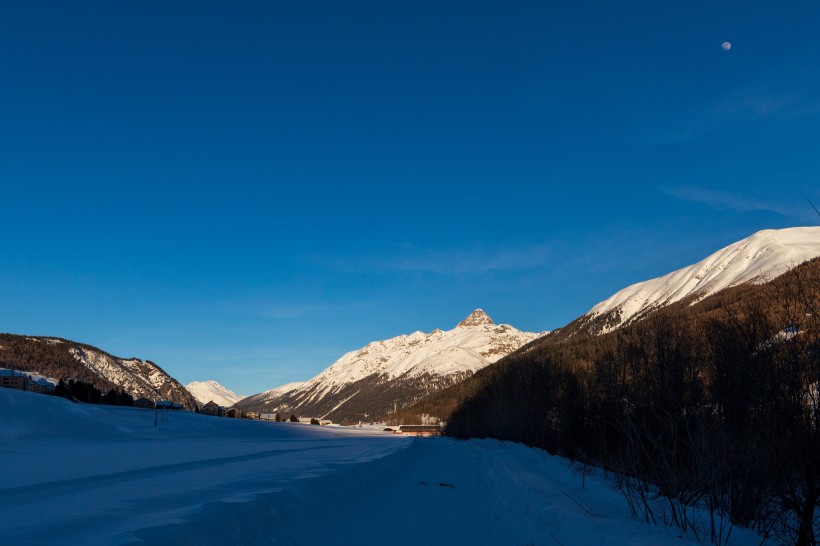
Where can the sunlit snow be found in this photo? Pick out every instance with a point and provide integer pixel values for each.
(758, 258)
(207, 391)
(472, 345)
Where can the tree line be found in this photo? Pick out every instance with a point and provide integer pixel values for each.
(80, 391)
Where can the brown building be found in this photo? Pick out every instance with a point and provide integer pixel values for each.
(41, 386)
(420, 430)
(13, 381)
(211, 408)
(144, 403)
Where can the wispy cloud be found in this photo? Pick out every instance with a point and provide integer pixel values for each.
(775, 96)
(119, 338)
(721, 200)
(776, 104)
(454, 261)
(284, 311)
(298, 310)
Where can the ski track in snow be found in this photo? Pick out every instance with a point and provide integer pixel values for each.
(81, 474)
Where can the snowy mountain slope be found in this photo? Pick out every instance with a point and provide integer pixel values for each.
(64, 358)
(758, 258)
(276, 392)
(210, 390)
(390, 374)
(140, 378)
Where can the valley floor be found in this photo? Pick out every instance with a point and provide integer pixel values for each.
(80, 474)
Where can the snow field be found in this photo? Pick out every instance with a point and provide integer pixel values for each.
(81, 474)
(444, 491)
(84, 474)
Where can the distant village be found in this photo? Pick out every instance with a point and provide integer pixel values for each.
(32, 382)
(25, 381)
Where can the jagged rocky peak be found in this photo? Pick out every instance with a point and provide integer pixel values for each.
(476, 318)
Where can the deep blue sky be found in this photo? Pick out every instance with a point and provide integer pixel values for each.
(245, 191)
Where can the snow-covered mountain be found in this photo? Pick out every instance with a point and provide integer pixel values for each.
(276, 392)
(391, 374)
(207, 391)
(758, 258)
(59, 358)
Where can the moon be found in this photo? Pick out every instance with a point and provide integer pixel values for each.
(726, 46)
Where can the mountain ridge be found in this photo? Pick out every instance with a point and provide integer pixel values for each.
(387, 374)
(759, 258)
(58, 357)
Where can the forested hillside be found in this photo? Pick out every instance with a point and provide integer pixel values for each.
(716, 404)
(45, 355)
(62, 358)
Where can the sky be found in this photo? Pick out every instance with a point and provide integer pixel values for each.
(246, 191)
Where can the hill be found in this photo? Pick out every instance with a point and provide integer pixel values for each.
(62, 358)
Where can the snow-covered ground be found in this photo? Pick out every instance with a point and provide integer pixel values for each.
(81, 474)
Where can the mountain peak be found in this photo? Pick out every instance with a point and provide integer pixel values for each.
(210, 390)
(411, 366)
(476, 318)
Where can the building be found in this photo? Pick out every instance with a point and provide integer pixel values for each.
(420, 430)
(24, 381)
(211, 408)
(12, 380)
(41, 385)
(144, 403)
